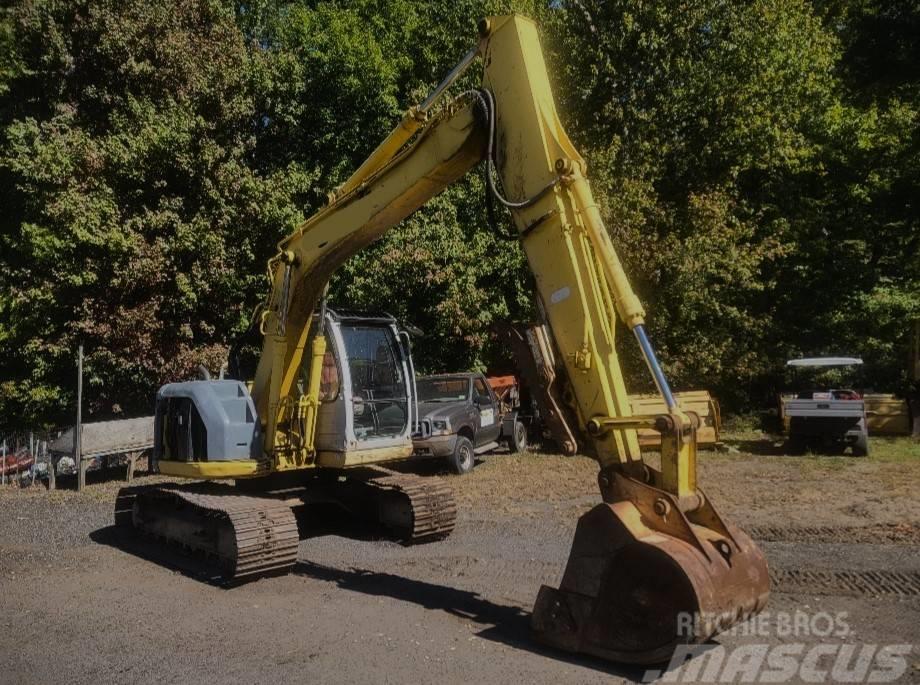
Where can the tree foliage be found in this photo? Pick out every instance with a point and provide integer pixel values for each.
(134, 217)
(757, 165)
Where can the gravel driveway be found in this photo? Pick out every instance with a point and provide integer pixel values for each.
(842, 539)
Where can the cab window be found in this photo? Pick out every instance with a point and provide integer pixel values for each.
(329, 379)
(378, 389)
(481, 392)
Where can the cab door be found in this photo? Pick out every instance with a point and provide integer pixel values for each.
(490, 426)
(378, 384)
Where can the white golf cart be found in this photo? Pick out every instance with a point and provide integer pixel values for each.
(819, 412)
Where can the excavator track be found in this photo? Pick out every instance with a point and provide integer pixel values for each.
(415, 510)
(237, 537)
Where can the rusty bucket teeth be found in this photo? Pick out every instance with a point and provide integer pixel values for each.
(635, 588)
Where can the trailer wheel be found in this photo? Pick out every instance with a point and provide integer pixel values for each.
(518, 441)
(463, 459)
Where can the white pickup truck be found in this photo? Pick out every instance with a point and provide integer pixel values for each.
(829, 418)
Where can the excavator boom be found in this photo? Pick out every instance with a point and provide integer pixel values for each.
(654, 565)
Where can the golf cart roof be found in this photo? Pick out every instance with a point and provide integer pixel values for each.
(825, 361)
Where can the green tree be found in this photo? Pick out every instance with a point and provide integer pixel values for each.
(757, 166)
(153, 153)
(696, 119)
(133, 220)
(866, 198)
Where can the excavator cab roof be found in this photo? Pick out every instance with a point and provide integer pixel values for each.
(356, 316)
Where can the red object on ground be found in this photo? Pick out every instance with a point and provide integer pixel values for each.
(16, 463)
(846, 395)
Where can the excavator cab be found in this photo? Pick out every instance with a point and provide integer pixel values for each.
(366, 397)
(365, 406)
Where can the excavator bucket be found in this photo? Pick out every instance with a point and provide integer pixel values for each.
(644, 577)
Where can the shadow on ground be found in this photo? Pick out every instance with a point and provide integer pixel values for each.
(94, 476)
(768, 446)
(775, 446)
(155, 553)
(508, 625)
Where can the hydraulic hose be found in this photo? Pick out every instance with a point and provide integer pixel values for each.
(487, 101)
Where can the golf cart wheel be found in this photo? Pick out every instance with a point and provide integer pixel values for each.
(796, 444)
(861, 446)
(463, 458)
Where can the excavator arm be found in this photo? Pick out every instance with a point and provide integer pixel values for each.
(654, 565)
(511, 124)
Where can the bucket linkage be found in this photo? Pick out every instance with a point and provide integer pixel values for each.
(654, 566)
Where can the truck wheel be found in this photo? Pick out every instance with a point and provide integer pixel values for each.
(463, 458)
(518, 441)
(861, 446)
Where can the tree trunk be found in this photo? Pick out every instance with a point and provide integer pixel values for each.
(914, 403)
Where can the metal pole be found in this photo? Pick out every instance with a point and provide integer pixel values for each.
(3, 475)
(913, 395)
(38, 445)
(52, 473)
(78, 429)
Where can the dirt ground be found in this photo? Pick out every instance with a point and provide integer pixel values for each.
(842, 536)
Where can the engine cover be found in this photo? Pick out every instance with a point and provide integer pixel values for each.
(206, 421)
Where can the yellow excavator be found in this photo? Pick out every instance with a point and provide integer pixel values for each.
(333, 400)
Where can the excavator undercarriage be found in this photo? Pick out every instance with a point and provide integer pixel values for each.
(234, 537)
(240, 534)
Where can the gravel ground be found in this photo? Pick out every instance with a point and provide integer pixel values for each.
(841, 537)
